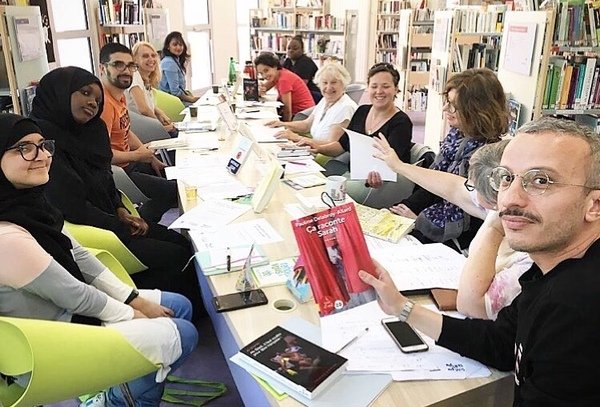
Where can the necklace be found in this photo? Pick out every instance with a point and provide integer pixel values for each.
(371, 125)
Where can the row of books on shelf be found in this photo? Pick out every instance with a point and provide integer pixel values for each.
(113, 12)
(128, 40)
(490, 20)
(386, 56)
(392, 6)
(387, 41)
(417, 99)
(572, 84)
(297, 3)
(577, 23)
(270, 41)
(478, 55)
(423, 14)
(388, 24)
(283, 20)
(311, 44)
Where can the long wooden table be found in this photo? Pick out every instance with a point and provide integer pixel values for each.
(236, 329)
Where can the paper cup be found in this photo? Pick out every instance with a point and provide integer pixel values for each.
(193, 111)
(336, 187)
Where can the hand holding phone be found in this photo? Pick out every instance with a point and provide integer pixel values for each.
(407, 339)
(244, 299)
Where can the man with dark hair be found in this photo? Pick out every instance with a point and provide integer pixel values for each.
(145, 170)
(548, 185)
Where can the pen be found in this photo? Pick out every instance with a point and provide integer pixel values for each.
(351, 341)
(296, 162)
(228, 260)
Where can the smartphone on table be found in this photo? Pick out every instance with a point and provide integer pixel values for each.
(244, 299)
(407, 339)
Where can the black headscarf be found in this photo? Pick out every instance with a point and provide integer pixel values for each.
(84, 147)
(28, 207)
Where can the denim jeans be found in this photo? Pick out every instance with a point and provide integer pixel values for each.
(145, 391)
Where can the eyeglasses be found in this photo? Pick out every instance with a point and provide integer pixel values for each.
(29, 151)
(120, 65)
(448, 106)
(469, 187)
(534, 182)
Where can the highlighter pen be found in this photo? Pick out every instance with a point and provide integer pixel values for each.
(228, 260)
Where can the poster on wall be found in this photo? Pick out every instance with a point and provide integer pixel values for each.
(519, 48)
(46, 27)
(29, 38)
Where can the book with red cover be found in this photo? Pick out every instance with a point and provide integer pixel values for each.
(333, 248)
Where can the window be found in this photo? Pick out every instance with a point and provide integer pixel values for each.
(243, 28)
(198, 33)
(71, 33)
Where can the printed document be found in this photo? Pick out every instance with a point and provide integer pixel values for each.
(362, 161)
(210, 214)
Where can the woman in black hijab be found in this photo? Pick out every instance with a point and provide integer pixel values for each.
(67, 107)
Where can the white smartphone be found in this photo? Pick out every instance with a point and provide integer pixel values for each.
(407, 339)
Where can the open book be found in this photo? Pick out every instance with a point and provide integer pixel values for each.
(383, 224)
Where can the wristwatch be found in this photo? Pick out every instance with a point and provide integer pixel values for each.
(406, 309)
(134, 294)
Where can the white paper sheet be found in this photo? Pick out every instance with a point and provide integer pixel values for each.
(420, 267)
(377, 352)
(210, 214)
(299, 166)
(261, 114)
(264, 134)
(258, 231)
(362, 160)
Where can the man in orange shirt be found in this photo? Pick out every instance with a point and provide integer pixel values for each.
(140, 163)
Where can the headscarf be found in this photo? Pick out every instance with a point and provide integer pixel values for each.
(28, 207)
(85, 147)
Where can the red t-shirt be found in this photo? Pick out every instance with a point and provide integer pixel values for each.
(290, 82)
(116, 117)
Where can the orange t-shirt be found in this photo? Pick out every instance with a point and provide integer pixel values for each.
(116, 118)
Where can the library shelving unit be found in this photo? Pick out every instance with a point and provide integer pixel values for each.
(120, 21)
(272, 28)
(387, 25)
(572, 74)
(418, 60)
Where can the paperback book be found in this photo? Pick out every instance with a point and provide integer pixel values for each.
(293, 362)
(332, 245)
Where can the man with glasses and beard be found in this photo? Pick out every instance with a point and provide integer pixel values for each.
(548, 185)
(140, 163)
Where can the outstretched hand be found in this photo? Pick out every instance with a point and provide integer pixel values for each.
(305, 141)
(389, 298)
(385, 152)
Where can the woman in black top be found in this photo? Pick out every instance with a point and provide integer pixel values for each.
(302, 65)
(67, 107)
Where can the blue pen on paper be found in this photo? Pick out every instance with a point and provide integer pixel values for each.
(351, 341)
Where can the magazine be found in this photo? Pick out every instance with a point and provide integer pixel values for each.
(292, 361)
(333, 247)
(383, 224)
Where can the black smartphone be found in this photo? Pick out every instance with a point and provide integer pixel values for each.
(407, 339)
(244, 299)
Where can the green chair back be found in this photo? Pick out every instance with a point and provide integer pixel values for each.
(112, 264)
(64, 360)
(169, 104)
(96, 238)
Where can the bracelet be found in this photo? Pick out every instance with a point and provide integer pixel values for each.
(406, 309)
(134, 294)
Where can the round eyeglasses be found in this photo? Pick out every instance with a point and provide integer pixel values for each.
(29, 151)
(534, 182)
(120, 65)
(448, 106)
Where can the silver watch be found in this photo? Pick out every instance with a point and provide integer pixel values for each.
(406, 309)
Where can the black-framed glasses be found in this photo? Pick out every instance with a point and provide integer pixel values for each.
(448, 106)
(469, 187)
(534, 182)
(120, 65)
(29, 150)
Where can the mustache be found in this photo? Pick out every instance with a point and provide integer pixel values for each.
(519, 212)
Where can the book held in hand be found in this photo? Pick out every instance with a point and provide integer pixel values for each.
(293, 362)
(333, 247)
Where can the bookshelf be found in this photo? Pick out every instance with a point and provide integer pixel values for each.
(120, 21)
(419, 60)
(387, 25)
(272, 28)
(572, 73)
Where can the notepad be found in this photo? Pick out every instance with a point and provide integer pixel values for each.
(275, 273)
(214, 261)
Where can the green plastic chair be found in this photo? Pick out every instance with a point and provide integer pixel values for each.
(171, 105)
(102, 239)
(64, 360)
(112, 264)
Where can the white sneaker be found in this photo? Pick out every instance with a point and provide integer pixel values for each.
(99, 400)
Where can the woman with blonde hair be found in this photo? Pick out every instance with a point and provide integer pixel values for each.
(331, 115)
(140, 95)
